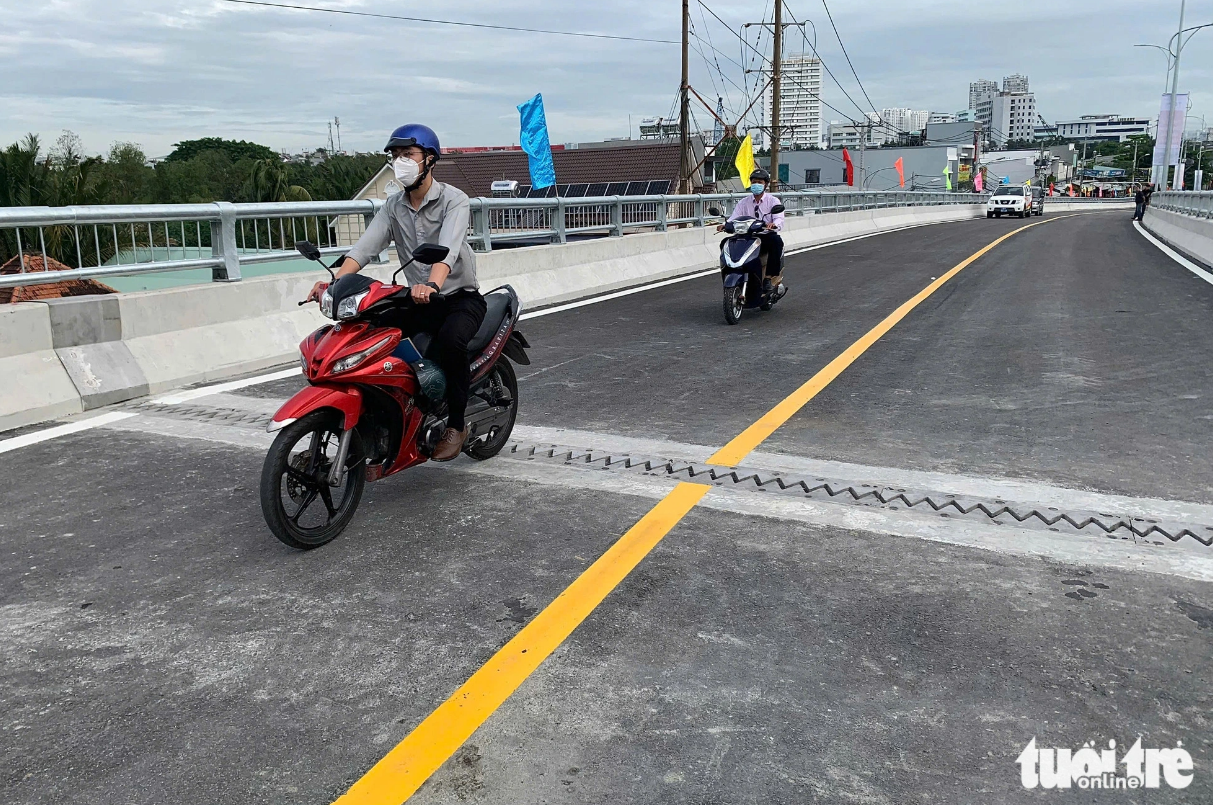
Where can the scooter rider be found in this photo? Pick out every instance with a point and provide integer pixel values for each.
(758, 205)
(447, 295)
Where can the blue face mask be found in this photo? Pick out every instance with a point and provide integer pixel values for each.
(757, 188)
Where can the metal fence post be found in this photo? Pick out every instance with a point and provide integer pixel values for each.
(560, 235)
(616, 217)
(224, 246)
(699, 211)
(480, 225)
(662, 214)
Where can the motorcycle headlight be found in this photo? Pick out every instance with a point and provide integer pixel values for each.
(348, 308)
(350, 361)
(326, 304)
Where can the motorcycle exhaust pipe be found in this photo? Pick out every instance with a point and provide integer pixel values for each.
(343, 452)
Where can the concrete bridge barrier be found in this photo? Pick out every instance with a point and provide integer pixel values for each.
(1185, 231)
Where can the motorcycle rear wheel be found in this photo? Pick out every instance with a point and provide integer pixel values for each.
(501, 380)
(294, 481)
(734, 304)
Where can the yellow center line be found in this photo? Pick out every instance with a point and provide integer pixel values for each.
(745, 442)
(402, 771)
(411, 762)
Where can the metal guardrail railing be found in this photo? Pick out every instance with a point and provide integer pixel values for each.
(1198, 203)
(123, 240)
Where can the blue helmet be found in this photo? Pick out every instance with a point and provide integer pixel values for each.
(415, 134)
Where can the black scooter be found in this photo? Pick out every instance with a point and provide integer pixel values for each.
(741, 267)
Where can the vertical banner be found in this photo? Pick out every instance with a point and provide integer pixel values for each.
(534, 141)
(1170, 127)
(979, 180)
(901, 171)
(848, 168)
(744, 161)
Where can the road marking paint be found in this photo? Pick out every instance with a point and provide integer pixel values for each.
(732, 453)
(641, 288)
(177, 397)
(62, 430)
(404, 769)
(1174, 255)
(411, 762)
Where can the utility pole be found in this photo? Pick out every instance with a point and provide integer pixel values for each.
(776, 82)
(1179, 43)
(685, 115)
(337, 123)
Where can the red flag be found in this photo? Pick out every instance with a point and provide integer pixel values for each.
(901, 171)
(1052, 188)
(848, 170)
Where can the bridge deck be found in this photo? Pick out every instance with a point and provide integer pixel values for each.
(160, 646)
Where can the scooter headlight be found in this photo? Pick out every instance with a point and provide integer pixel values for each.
(348, 308)
(350, 361)
(326, 304)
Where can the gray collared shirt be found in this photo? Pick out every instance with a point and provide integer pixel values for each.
(443, 219)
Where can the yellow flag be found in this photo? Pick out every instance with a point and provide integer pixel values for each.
(745, 160)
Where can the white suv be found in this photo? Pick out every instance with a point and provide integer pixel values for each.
(1011, 199)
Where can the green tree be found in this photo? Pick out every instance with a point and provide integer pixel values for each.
(267, 181)
(235, 150)
(125, 176)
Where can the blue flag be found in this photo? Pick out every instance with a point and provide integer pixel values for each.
(534, 141)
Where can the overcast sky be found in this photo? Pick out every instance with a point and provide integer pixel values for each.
(158, 71)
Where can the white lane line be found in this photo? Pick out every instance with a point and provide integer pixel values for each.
(1174, 255)
(641, 288)
(62, 430)
(178, 397)
(593, 300)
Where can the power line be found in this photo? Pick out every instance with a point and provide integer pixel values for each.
(792, 79)
(844, 53)
(450, 22)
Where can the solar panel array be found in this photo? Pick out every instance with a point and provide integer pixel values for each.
(650, 187)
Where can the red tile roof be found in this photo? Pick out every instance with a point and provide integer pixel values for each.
(53, 290)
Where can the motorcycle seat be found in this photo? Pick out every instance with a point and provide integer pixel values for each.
(498, 307)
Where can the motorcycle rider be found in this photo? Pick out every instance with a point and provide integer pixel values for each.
(447, 296)
(758, 205)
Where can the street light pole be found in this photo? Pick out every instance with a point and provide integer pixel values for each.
(1166, 162)
(776, 85)
(684, 118)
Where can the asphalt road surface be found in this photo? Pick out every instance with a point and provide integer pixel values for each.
(158, 645)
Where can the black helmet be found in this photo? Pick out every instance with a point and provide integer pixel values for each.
(760, 175)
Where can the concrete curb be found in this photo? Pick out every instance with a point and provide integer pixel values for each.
(1191, 236)
(72, 355)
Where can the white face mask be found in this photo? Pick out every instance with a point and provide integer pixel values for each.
(406, 171)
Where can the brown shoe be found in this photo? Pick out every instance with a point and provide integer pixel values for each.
(450, 444)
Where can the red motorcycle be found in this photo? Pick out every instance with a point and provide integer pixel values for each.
(374, 405)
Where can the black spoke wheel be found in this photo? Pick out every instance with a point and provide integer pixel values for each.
(734, 304)
(500, 389)
(298, 504)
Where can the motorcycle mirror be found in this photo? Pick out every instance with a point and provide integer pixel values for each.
(430, 253)
(778, 208)
(307, 249)
(714, 211)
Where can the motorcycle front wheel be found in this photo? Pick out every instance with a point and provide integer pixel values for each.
(298, 504)
(734, 303)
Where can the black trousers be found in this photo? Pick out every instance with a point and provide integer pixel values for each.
(452, 321)
(772, 244)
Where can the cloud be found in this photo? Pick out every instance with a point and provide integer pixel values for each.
(158, 71)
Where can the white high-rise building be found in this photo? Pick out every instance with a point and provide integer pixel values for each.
(1006, 114)
(979, 90)
(1012, 117)
(907, 120)
(1015, 83)
(799, 102)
